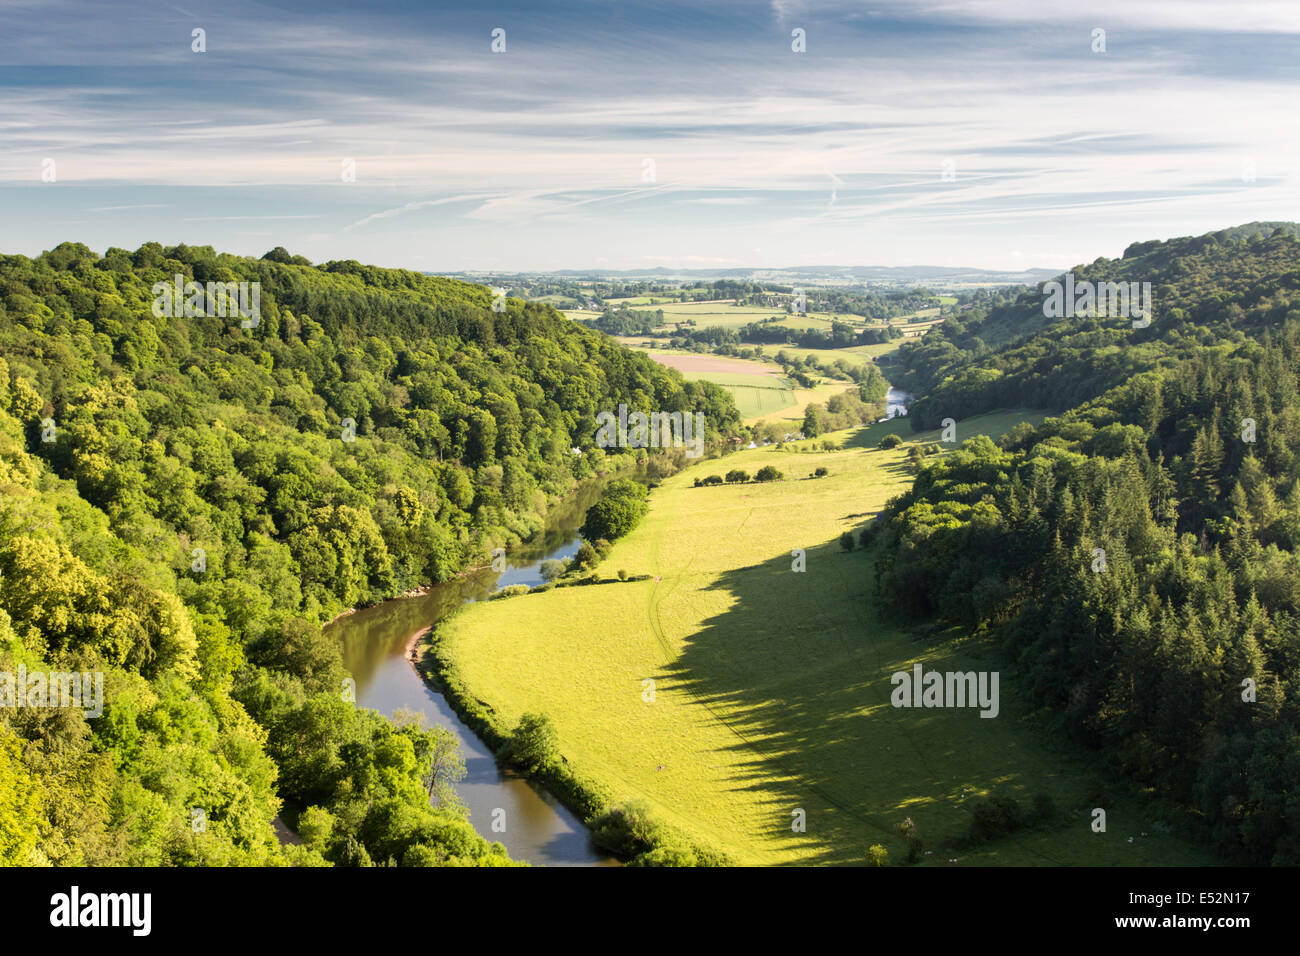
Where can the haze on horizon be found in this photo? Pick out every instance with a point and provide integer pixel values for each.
(974, 133)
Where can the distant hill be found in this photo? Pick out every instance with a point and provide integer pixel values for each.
(937, 277)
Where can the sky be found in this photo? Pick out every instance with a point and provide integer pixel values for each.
(628, 135)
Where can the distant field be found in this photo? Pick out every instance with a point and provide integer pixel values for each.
(772, 688)
(992, 424)
(756, 388)
(854, 355)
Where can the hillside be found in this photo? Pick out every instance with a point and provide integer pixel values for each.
(1207, 289)
(186, 499)
(1134, 561)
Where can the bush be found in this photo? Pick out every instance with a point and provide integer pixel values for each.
(621, 506)
(551, 569)
(889, 441)
(846, 541)
(622, 574)
(533, 745)
(586, 556)
(737, 475)
(627, 830)
(877, 855)
(820, 473)
(995, 818)
(767, 473)
(712, 480)
(866, 536)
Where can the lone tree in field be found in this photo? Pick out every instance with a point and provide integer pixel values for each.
(767, 473)
(889, 441)
(914, 845)
(812, 422)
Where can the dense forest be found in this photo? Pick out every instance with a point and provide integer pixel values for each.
(184, 501)
(1135, 557)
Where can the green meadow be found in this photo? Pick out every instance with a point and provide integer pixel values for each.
(771, 687)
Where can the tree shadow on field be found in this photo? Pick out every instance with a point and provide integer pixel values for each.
(798, 669)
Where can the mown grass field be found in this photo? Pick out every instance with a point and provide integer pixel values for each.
(771, 687)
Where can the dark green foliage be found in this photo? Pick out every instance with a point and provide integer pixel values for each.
(202, 510)
(737, 475)
(889, 441)
(767, 473)
(820, 472)
(1135, 558)
(621, 506)
(586, 556)
(533, 745)
(846, 540)
(995, 818)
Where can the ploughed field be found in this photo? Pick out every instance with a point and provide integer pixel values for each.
(772, 688)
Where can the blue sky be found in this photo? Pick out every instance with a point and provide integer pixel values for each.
(536, 158)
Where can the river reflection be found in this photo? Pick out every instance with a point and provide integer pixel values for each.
(538, 828)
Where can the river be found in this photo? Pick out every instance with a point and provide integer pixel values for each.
(896, 402)
(539, 828)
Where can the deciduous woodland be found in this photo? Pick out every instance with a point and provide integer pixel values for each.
(185, 501)
(180, 509)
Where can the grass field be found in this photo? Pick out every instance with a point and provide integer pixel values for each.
(772, 687)
(726, 314)
(757, 388)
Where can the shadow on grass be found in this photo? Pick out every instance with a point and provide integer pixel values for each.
(798, 671)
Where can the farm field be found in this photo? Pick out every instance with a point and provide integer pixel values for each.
(757, 388)
(855, 355)
(771, 688)
(726, 314)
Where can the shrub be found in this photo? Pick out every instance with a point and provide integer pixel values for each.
(820, 473)
(877, 855)
(551, 569)
(622, 504)
(866, 536)
(737, 475)
(586, 556)
(846, 541)
(889, 441)
(627, 830)
(712, 480)
(767, 473)
(995, 818)
(533, 744)
(622, 574)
